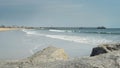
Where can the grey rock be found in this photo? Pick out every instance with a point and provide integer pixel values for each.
(105, 48)
(108, 60)
(97, 51)
(48, 54)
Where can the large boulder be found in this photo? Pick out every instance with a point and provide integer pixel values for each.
(105, 48)
(49, 54)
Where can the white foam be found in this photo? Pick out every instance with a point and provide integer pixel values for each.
(31, 51)
(53, 30)
(78, 39)
(30, 32)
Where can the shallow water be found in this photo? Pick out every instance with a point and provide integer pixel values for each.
(19, 44)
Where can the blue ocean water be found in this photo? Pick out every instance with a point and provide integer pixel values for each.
(19, 44)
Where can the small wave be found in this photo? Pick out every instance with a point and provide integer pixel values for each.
(30, 32)
(34, 50)
(57, 30)
(31, 51)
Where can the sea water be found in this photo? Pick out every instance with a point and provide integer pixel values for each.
(18, 44)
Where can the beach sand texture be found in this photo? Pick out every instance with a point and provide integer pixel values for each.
(6, 29)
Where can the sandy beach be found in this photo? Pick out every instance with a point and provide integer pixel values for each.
(6, 29)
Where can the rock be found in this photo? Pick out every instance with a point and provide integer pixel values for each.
(108, 60)
(105, 48)
(97, 51)
(48, 54)
(52, 57)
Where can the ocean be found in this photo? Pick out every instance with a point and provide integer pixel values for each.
(19, 44)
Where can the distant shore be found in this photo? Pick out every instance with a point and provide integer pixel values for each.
(6, 29)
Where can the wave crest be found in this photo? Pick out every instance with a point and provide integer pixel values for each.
(55, 30)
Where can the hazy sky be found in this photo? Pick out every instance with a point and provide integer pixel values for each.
(84, 13)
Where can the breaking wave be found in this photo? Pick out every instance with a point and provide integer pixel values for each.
(77, 39)
(53, 30)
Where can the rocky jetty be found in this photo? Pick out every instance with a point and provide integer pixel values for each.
(105, 56)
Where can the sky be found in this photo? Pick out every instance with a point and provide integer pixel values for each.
(60, 13)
